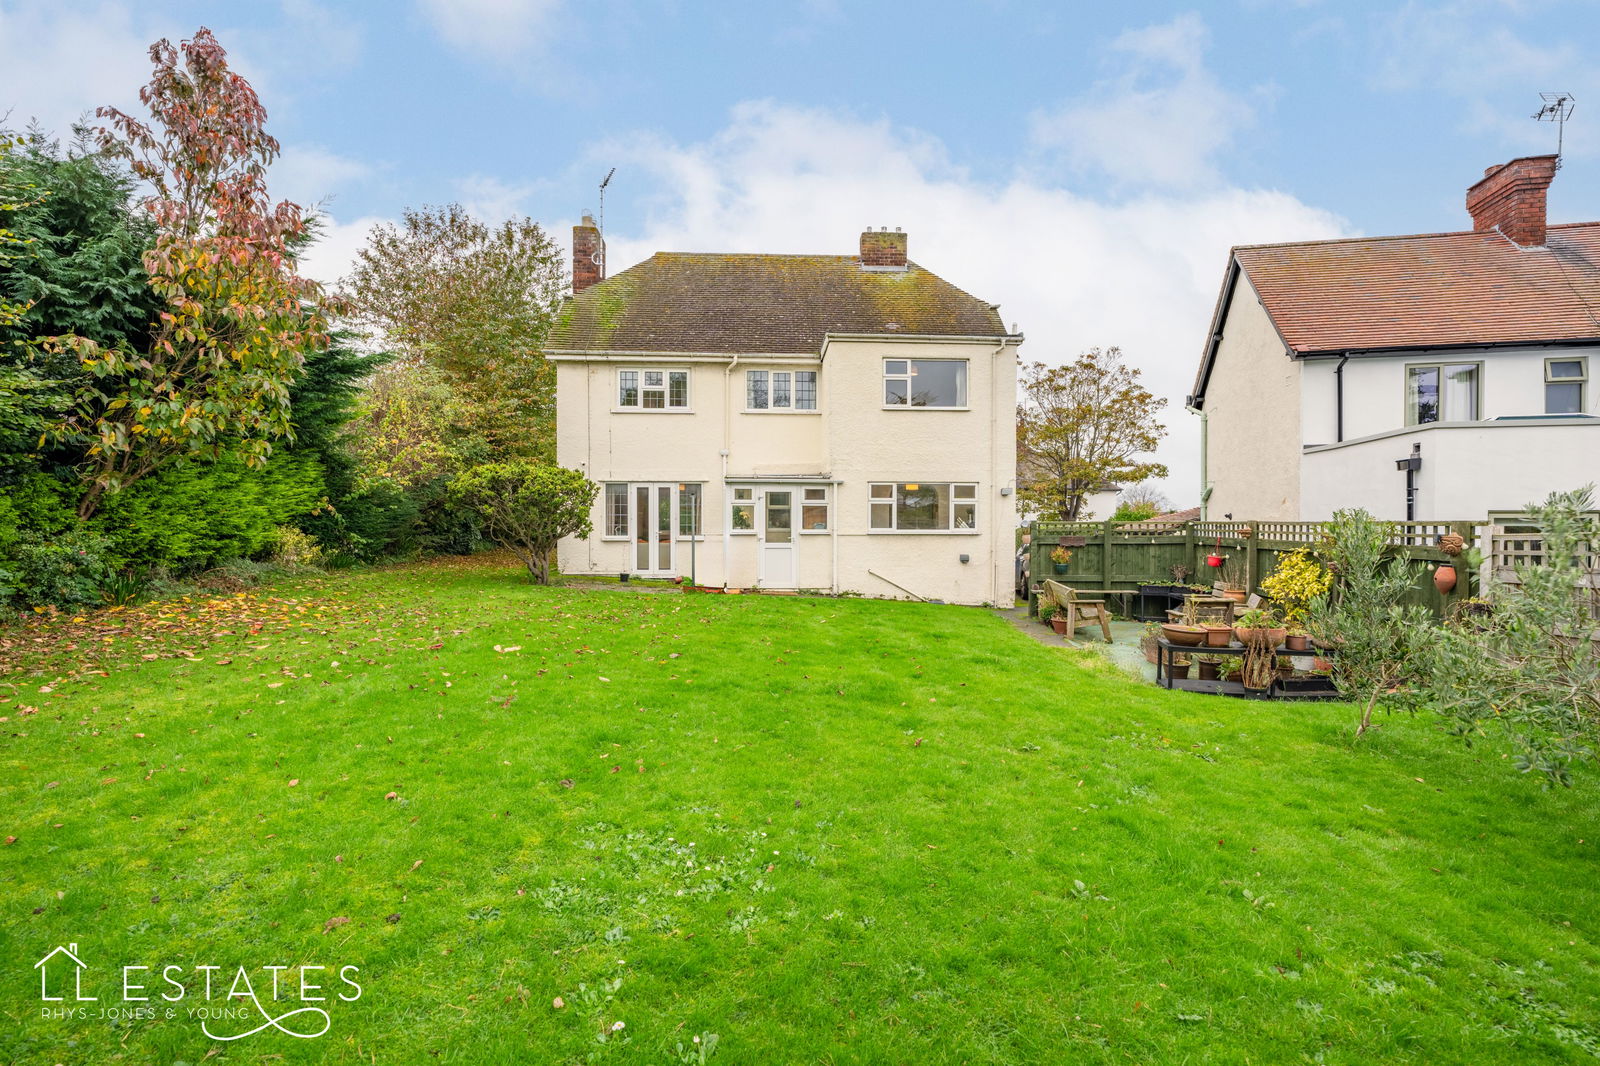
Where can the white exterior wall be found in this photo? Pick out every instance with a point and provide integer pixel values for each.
(849, 443)
(1468, 469)
(1252, 409)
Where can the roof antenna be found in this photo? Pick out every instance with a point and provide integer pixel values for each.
(1557, 108)
(603, 185)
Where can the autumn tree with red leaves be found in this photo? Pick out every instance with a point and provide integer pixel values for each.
(238, 319)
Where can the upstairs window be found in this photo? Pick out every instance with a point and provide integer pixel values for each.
(1564, 380)
(653, 389)
(1447, 392)
(780, 390)
(925, 383)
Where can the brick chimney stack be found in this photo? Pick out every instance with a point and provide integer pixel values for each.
(883, 249)
(1511, 198)
(588, 255)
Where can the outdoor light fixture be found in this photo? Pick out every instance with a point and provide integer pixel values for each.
(912, 488)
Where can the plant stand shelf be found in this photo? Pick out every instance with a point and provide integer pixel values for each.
(1300, 688)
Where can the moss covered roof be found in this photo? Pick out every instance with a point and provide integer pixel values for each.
(695, 302)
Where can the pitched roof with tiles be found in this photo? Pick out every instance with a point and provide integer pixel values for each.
(1432, 290)
(1437, 289)
(762, 304)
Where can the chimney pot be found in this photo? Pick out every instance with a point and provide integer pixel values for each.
(1511, 198)
(588, 254)
(883, 249)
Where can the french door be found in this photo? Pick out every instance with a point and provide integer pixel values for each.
(655, 509)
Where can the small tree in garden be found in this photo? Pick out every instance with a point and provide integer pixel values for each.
(528, 507)
(238, 318)
(1376, 640)
(1298, 580)
(1531, 665)
(1083, 425)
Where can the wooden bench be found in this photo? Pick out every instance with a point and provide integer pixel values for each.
(1078, 610)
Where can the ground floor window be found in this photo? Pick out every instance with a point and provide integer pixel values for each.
(912, 506)
(742, 511)
(689, 510)
(814, 510)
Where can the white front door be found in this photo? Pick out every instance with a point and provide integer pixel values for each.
(655, 509)
(775, 532)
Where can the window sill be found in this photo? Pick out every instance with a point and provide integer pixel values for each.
(652, 410)
(925, 532)
(909, 407)
(780, 411)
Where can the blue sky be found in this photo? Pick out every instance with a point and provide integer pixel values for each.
(1086, 165)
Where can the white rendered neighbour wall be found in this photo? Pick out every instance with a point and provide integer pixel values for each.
(1252, 406)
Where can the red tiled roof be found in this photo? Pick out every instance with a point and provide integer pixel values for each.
(1430, 290)
(691, 302)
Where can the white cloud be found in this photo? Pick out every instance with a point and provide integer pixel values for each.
(499, 28)
(61, 64)
(1160, 120)
(493, 201)
(1072, 271)
(331, 257)
(309, 175)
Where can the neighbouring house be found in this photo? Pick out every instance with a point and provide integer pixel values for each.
(1444, 376)
(841, 423)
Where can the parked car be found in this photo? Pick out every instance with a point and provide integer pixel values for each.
(1022, 572)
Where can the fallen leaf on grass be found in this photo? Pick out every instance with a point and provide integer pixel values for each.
(558, 1003)
(392, 919)
(334, 923)
(293, 781)
(566, 782)
(416, 864)
(392, 796)
(10, 841)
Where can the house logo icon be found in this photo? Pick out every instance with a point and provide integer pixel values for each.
(49, 962)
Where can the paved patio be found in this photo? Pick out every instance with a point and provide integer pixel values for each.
(1123, 649)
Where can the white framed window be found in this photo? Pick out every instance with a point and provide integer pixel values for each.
(1442, 392)
(742, 511)
(690, 514)
(1564, 381)
(925, 383)
(814, 510)
(653, 389)
(780, 390)
(923, 507)
(616, 516)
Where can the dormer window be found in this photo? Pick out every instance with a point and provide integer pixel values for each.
(653, 389)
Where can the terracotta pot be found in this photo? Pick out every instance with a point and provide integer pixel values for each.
(1208, 671)
(1218, 636)
(1321, 665)
(1248, 636)
(1444, 578)
(1236, 595)
(1298, 641)
(1153, 654)
(1059, 624)
(1188, 636)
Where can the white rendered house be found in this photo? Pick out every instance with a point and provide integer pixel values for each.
(841, 423)
(1446, 376)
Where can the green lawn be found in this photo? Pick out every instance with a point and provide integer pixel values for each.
(827, 831)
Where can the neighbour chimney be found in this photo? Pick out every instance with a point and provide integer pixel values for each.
(883, 249)
(1511, 198)
(588, 255)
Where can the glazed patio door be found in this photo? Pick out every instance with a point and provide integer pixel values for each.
(655, 507)
(776, 532)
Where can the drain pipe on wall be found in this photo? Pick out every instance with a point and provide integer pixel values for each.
(994, 469)
(727, 445)
(1338, 391)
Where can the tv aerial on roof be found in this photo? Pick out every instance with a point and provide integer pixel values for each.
(1557, 108)
(603, 184)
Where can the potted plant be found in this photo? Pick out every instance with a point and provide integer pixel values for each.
(1180, 668)
(1228, 668)
(1058, 621)
(1218, 635)
(1258, 627)
(1297, 638)
(1148, 642)
(1233, 585)
(1178, 633)
(1047, 612)
(1209, 665)
(1059, 558)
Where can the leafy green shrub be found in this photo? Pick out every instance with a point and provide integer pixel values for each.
(1378, 641)
(295, 550)
(528, 507)
(67, 570)
(1529, 665)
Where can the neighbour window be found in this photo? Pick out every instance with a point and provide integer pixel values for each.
(780, 390)
(1444, 393)
(742, 516)
(689, 510)
(616, 510)
(925, 382)
(1564, 380)
(921, 506)
(653, 390)
(814, 510)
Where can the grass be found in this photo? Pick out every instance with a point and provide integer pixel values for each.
(823, 830)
